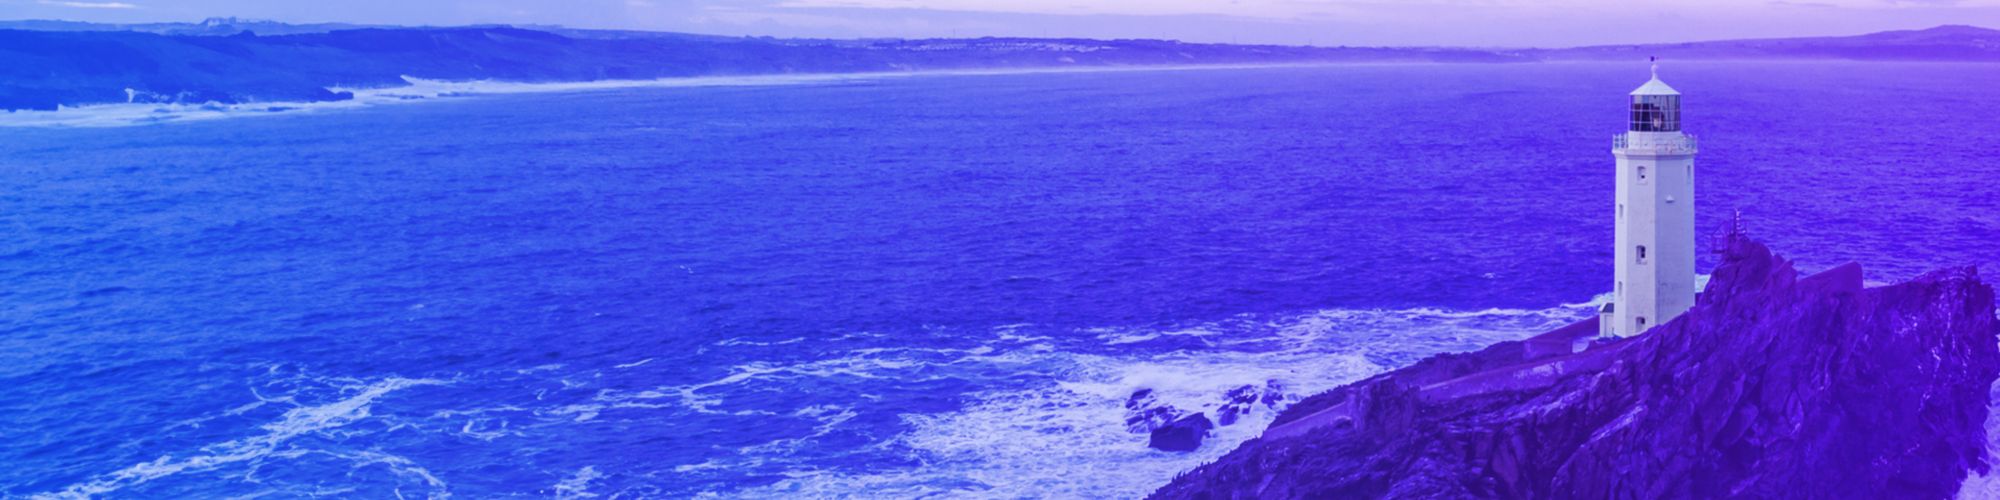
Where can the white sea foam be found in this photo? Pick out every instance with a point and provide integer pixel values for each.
(1067, 437)
(296, 422)
(1049, 422)
(1116, 337)
(436, 489)
(246, 407)
(707, 397)
(741, 342)
(859, 364)
(487, 429)
(606, 400)
(828, 417)
(578, 485)
(1068, 440)
(1987, 486)
(1012, 333)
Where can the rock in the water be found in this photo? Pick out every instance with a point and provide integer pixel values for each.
(1184, 434)
(1771, 387)
(1274, 394)
(1144, 412)
(1237, 403)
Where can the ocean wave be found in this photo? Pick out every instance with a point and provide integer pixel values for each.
(1131, 337)
(826, 417)
(729, 342)
(1066, 435)
(1257, 325)
(298, 421)
(1068, 439)
(578, 485)
(634, 364)
(1033, 410)
(1418, 329)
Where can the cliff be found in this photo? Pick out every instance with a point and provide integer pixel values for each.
(1771, 387)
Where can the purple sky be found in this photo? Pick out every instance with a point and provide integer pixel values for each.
(1319, 22)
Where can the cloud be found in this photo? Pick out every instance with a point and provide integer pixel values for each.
(88, 5)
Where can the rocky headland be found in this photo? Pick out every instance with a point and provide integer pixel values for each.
(1773, 386)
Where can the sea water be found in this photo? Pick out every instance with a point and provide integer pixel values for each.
(930, 285)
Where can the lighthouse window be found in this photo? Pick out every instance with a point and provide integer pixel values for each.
(1642, 174)
(1621, 210)
(1642, 254)
(1641, 321)
(1656, 113)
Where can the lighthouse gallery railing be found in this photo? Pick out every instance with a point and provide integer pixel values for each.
(1656, 142)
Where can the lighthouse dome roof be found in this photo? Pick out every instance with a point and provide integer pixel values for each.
(1655, 87)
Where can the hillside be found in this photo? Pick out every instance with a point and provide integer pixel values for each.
(49, 64)
(1943, 43)
(47, 69)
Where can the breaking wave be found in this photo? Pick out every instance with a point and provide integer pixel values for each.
(350, 402)
(1015, 410)
(1064, 434)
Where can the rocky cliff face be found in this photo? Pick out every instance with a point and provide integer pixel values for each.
(1771, 387)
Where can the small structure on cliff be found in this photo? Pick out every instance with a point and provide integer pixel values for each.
(1654, 258)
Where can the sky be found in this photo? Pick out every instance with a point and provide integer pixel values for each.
(1474, 23)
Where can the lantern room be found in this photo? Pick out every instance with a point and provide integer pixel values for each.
(1656, 107)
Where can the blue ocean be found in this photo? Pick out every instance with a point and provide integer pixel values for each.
(912, 286)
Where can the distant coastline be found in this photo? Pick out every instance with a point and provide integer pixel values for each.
(223, 63)
(415, 90)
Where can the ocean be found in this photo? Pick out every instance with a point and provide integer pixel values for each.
(912, 286)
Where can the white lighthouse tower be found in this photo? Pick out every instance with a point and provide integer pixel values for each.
(1655, 218)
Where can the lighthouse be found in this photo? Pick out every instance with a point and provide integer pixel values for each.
(1654, 243)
